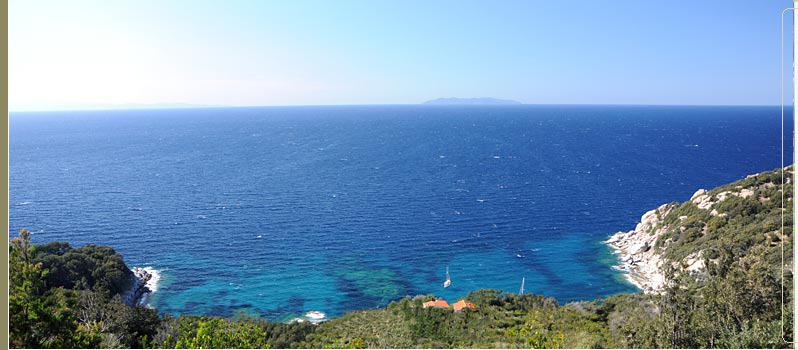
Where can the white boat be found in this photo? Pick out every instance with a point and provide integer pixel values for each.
(522, 287)
(448, 281)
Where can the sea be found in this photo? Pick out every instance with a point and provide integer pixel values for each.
(280, 211)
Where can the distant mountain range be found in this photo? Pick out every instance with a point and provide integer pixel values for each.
(471, 101)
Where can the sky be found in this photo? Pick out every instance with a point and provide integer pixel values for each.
(85, 54)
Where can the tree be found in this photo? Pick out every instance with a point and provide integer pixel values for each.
(37, 318)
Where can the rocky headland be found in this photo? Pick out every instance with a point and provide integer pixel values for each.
(140, 291)
(642, 251)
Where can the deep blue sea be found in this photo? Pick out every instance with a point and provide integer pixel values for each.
(277, 211)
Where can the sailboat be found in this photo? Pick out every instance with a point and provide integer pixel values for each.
(448, 281)
(522, 287)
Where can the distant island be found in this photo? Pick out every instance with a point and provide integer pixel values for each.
(471, 101)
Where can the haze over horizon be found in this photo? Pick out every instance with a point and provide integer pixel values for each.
(94, 54)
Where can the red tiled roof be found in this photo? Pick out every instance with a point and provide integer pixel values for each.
(437, 303)
(463, 304)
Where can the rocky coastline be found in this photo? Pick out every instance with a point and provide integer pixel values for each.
(140, 292)
(642, 262)
(638, 258)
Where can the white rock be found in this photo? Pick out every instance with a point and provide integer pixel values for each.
(703, 201)
(723, 195)
(695, 264)
(698, 193)
(745, 193)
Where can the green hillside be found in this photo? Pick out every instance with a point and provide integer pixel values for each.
(724, 252)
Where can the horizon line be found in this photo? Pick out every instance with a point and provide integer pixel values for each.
(189, 106)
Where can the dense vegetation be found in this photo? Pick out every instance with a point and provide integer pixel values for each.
(60, 297)
(65, 297)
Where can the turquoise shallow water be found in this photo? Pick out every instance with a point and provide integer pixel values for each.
(278, 211)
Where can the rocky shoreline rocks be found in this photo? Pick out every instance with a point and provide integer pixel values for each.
(638, 258)
(643, 263)
(139, 292)
(314, 317)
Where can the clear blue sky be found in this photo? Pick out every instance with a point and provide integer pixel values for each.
(65, 54)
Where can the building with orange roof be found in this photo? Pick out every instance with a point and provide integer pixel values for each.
(437, 303)
(463, 304)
